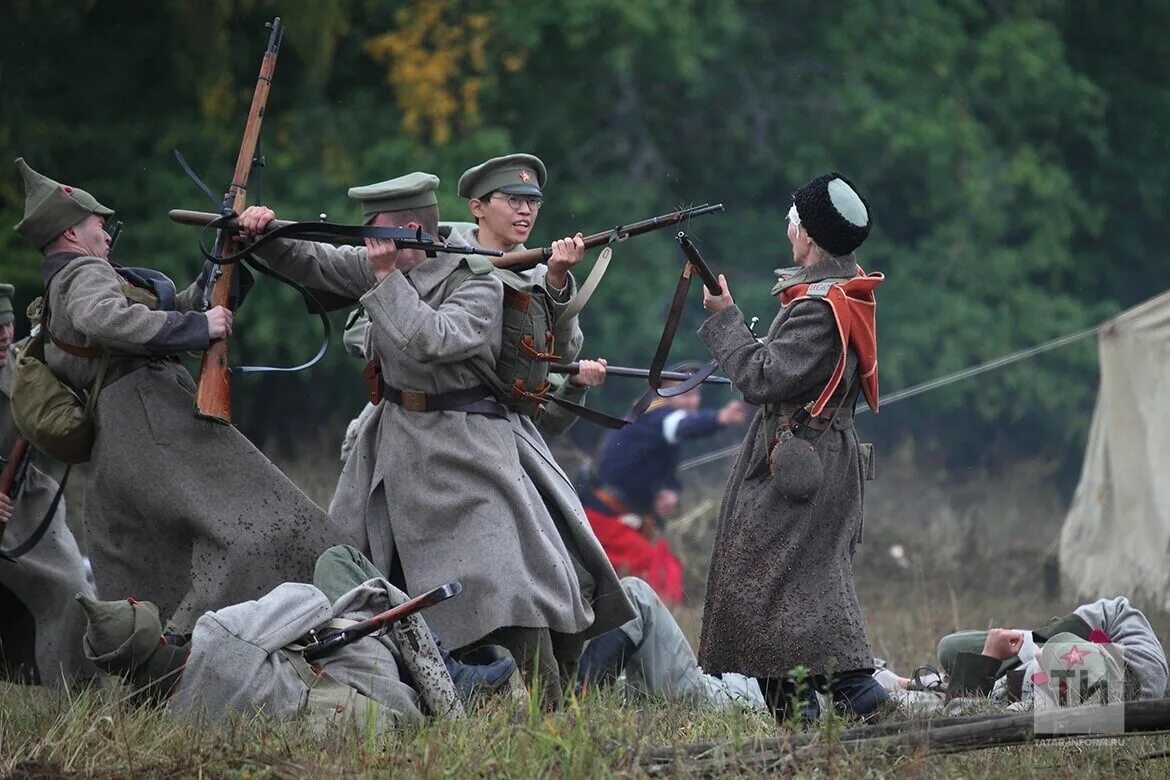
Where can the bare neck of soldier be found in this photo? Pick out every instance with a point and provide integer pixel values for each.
(488, 239)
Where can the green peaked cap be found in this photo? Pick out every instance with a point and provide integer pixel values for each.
(6, 314)
(412, 191)
(51, 208)
(513, 174)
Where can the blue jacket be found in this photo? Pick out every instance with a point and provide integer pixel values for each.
(642, 458)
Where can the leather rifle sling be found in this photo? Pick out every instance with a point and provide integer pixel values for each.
(589, 286)
(694, 264)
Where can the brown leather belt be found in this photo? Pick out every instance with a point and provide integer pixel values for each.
(473, 400)
(845, 417)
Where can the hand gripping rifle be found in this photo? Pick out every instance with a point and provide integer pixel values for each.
(355, 235)
(323, 646)
(213, 400)
(321, 232)
(405, 238)
(526, 258)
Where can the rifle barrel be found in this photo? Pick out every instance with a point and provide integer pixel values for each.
(530, 257)
(635, 373)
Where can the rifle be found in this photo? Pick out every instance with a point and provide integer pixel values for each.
(322, 232)
(15, 470)
(695, 264)
(636, 373)
(526, 258)
(347, 636)
(213, 393)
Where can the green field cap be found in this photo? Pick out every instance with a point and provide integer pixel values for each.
(513, 174)
(412, 191)
(51, 208)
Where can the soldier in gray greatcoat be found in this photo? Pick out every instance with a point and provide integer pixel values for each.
(185, 510)
(780, 591)
(504, 195)
(451, 484)
(40, 624)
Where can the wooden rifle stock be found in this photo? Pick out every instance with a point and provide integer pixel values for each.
(351, 634)
(203, 218)
(14, 471)
(213, 394)
(530, 257)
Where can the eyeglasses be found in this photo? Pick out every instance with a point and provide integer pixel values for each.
(515, 201)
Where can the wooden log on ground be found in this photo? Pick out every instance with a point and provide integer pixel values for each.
(922, 737)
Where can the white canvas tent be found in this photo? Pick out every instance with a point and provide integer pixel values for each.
(1116, 538)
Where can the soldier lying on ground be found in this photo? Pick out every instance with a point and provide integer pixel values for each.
(1002, 662)
(248, 657)
(184, 509)
(40, 626)
(657, 661)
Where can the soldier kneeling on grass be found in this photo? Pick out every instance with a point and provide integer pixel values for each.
(249, 657)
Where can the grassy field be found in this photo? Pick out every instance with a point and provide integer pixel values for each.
(95, 733)
(936, 558)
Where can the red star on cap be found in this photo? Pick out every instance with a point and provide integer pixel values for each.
(1074, 657)
(68, 190)
(525, 176)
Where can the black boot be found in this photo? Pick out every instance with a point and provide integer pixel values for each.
(604, 658)
(485, 678)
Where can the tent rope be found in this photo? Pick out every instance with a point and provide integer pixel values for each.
(933, 384)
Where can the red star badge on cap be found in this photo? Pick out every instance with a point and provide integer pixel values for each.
(67, 189)
(1074, 657)
(525, 176)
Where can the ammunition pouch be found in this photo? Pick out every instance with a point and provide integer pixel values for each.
(527, 344)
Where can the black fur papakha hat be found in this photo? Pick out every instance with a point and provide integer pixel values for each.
(834, 213)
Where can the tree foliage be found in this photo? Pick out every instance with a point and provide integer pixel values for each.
(1016, 174)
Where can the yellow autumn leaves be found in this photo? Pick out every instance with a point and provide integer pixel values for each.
(439, 61)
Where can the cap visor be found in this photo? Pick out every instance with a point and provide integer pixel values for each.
(521, 189)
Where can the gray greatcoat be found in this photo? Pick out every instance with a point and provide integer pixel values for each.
(780, 588)
(245, 658)
(183, 512)
(46, 578)
(472, 497)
